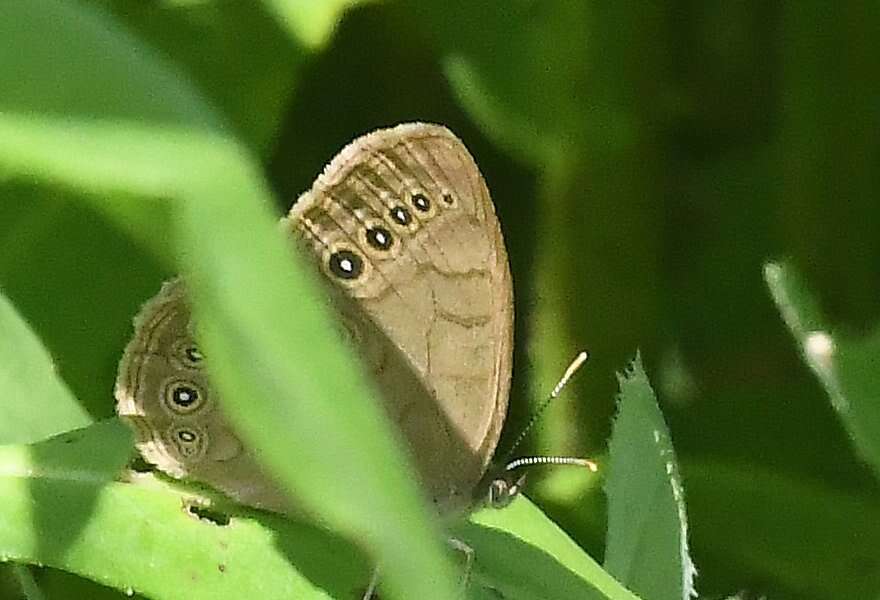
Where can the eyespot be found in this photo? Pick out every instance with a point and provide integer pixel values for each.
(187, 354)
(421, 202)
(183, 397)
(448, 199)
(379, 238)
(189, 442)
(400, 215)
(345, 264)
(193, 355)
(187, 436)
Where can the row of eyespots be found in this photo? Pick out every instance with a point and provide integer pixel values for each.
(181, 396)
(348, 265)
(185, 398)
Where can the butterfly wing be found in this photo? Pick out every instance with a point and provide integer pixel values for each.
(402, 226)
(163, 392)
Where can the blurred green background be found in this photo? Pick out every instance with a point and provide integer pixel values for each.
(646, 161)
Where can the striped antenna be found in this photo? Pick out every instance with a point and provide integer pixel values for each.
(576, 364)
(504, 486)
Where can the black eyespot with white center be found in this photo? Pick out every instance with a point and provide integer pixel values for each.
(193, 355)
(184, 396)
(400, 215)
(189, 442)
(421, 202)
(345, 264)
(379, 238)
(186, 354)
(187, 436)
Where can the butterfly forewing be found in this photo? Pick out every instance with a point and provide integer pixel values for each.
(407, 214)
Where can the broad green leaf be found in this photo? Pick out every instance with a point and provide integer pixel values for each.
(311, 23)
(522, 554)
(64, 509)
(329, 423)
(647, 543)
(848, 369)
(93, 69)
(34, 401)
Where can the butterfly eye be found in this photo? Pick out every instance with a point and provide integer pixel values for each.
(498, 493)
(503, 489)
(345, 264)
(183, 398)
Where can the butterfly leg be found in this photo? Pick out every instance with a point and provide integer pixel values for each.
(468, 552)
(374, 583)
(457, 545)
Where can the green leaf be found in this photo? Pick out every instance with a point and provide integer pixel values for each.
(63, 509)
(647, 545)
(312, 23)
(243, 60)
(521, 553)
(251, 302)
(93, 69)
(91, 52)
(29, 588)
(34, 401)
(847, 368)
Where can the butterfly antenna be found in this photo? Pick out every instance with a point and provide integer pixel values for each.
(576, 364)
(527, 461)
